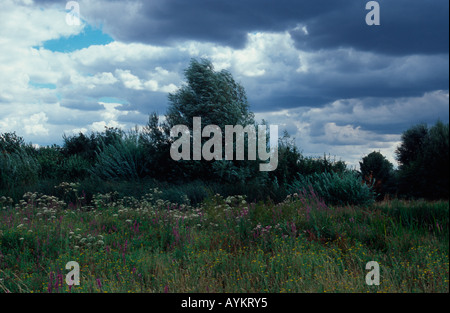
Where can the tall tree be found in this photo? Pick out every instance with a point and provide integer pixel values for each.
(219, 100)
(424, 161)
(376, 170)
(412, 143)
(214, 96)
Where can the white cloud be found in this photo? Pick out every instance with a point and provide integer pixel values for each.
(27, 25)
(35, 124)
(129, 80)
(105, 78)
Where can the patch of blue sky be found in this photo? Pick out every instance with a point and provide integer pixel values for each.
(112, 100)
(42, 85)
(87, 37)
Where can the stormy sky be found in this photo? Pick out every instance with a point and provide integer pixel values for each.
(313, 67)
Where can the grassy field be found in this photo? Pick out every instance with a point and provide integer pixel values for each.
(223, 245)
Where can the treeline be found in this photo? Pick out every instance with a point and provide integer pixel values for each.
(131, 162)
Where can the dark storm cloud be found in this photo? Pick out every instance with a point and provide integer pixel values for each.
(347, 74)
(407, 26)
(220, 21)
(407, 55)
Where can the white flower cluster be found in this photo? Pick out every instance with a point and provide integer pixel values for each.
(85, 242)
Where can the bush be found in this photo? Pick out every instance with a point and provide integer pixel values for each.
(50, 159)
(122, 159)
(344, 188)
(18, 165)
(377, 171)
(74, 168)
(88, 145)
(309, 165)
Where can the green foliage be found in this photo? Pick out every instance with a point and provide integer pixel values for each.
(55, 165)
(436, 161)
(419, 214)
(121, 159)
(219, 100)
(344, 188)
(310, 165)
(87, 146)
(214, 96)
(50, 159)
(289, 164)
(424, 161)
(74, 168)
(18, 164)
(154, 139)
(376, 170)
(412, 142)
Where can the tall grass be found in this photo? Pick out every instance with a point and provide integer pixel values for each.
(18, 167)
(224, 244)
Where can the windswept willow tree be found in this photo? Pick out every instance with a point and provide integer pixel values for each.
(214, 96)
(219, 100)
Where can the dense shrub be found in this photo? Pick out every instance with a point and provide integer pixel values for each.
(50, 159)
(18, 164)
(87, 146)
(344, 188)
(74, 168)
(122, 159)
(310, 165)
(424, 162)
(377, 171)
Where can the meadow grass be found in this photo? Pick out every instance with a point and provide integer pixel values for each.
(222, 245)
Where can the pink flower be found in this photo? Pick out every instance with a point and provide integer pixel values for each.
(99, 284)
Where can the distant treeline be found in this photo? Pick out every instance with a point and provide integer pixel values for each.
(116, 160)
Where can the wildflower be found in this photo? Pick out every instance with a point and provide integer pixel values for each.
(99, 283)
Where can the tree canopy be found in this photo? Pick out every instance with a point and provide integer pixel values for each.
(214, 96)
